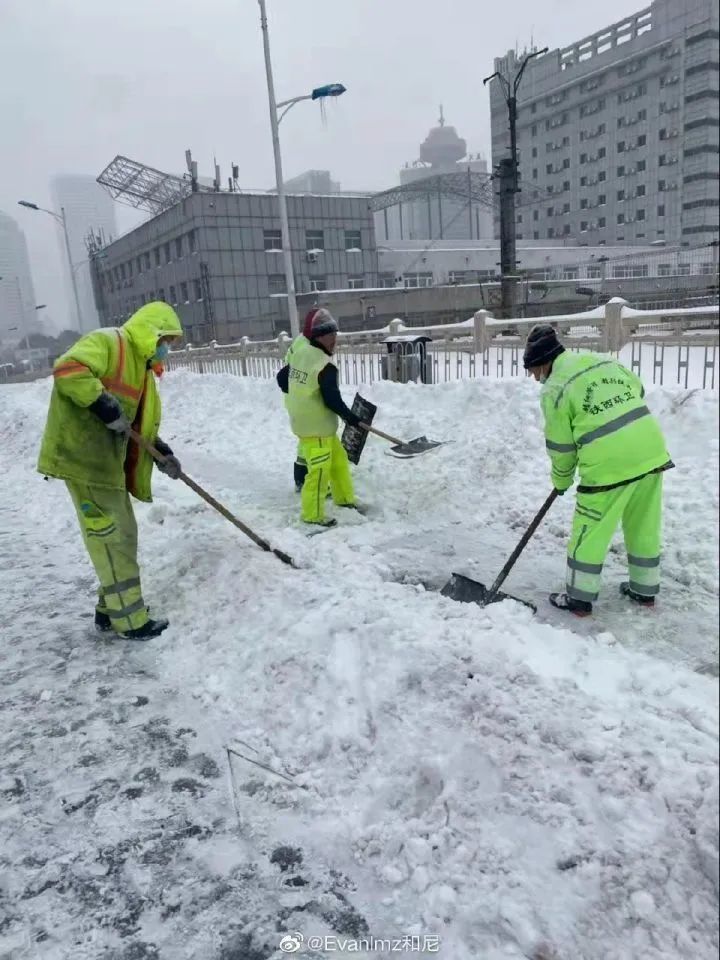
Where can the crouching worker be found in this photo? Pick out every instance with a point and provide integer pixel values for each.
(104, 385)
(597, 422)
(313, 401)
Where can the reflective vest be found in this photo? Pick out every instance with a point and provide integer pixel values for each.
(309, 417)
(77, 445)
(597, 421)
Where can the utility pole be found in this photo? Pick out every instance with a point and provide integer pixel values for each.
(509, 186)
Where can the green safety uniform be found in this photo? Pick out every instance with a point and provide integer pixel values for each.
(315, 426)
(597, 422)
(100, 467)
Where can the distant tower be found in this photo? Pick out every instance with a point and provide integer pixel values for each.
(442, 151)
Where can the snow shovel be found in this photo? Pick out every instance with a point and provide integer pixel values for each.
(156, 455)
(466, 590)
(410, 449)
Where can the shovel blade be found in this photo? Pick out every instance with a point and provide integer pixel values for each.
(413, 447)
(464, 590)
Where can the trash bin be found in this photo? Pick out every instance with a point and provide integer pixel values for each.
(407, 359)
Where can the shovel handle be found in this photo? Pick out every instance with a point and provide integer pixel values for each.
(385, 436)
(537, 520)
(215, 504)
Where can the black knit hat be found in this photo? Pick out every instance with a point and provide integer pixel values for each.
(542, 346)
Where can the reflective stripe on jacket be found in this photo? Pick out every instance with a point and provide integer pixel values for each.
(309, 417)
(76, 444)
(597, 421)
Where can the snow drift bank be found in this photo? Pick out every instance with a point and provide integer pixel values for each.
(557, 803)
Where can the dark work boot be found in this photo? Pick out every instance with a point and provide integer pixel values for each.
(103, 623)
(636, 597)
(581, 608)
(153, 628)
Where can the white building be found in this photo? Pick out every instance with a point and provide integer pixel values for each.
(617, 133)
(88, 209)
(17, 295)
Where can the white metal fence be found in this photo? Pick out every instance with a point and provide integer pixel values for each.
(678, 346)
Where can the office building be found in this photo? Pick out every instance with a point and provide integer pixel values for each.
(88, 210)
(618, 133)
(312, 181)
(17, 296)
(217, 258)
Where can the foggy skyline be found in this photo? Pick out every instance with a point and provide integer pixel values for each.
(82, 84)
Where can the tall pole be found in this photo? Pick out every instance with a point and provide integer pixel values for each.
(73, 278)
(282, 202)
(509, 186)
(26, 325)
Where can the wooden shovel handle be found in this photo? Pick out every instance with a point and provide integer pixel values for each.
(385, 436)
(215, 504)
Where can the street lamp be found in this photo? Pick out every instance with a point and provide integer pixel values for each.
(509, 184)
(62, 220)
(319, 93)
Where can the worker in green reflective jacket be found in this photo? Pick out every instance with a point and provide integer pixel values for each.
(313, 401)
(104, 385)
(597, 423)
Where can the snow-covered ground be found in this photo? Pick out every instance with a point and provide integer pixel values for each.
(518, 786)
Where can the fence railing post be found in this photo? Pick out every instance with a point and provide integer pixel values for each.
(613, 340)
(480, 331)
(284, 342)
(395, 326)
(244, 349)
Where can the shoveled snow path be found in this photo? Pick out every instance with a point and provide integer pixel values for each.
(558, 804)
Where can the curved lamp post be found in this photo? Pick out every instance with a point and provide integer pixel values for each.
(62, 220)
(319, 93)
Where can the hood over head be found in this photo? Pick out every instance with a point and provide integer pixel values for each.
(149, 323)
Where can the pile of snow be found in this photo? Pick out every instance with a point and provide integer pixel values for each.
(518, 786)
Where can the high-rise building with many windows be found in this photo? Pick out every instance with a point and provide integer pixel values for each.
(88, 209)
(17, 296)
(618, 133)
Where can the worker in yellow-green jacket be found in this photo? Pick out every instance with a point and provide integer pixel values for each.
(313, 401)
(103, 386)
(598, 424)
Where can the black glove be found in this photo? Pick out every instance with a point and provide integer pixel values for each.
(171, 465)
(352, 420)
(107, 409)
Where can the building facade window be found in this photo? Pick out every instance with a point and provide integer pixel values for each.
(314, 240)
(353, 240)
(166, 251)
(424, 279)
(272, 240)
(197, 286)
(179, 248)
(173, 295)
(192, 241)
(184, 292)
(356, 283)
(317, 284)
(276, 283)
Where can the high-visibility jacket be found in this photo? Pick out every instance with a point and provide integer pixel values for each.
(76, 444)
(309, 417)
(597, 421)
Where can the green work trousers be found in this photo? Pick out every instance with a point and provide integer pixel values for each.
(109, 530)
(638, 506)
(327, 465)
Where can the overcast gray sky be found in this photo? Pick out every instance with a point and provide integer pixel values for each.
(82, 80)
